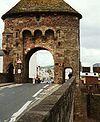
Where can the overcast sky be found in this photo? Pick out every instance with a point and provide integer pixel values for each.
(90, 27)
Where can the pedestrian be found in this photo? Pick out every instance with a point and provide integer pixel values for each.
(70, 75)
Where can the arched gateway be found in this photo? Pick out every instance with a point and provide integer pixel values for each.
(36, 25)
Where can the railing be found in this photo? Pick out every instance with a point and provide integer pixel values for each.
(57, 107)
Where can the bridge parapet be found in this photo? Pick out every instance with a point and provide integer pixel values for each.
(57, 107)
(3, 77)
(6, 78)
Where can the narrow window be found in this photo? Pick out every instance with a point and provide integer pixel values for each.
(49, 34)
(37, 34)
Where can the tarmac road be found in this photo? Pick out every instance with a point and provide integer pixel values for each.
(14, 99)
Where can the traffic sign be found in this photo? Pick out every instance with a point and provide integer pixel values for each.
(19, 61)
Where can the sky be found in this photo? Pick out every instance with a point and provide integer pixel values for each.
(89, 27)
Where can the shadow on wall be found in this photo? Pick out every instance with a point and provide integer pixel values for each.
(10, 72)
(93, 107)
(3, 78)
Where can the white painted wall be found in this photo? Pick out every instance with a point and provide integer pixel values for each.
(1, 64)
(32, 66)
(40, 58)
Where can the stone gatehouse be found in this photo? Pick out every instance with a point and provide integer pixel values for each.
(51, 25)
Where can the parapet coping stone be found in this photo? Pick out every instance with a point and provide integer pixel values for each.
(41, 111)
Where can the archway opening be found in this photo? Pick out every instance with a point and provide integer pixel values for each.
(37, 34)
(27, 36)
(49, 34)
(68, 73)
(40, 65)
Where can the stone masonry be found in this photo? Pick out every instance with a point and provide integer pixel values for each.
(53, 27)
(56, 107)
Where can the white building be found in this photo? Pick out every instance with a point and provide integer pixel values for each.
(1, 61)
(33, 66)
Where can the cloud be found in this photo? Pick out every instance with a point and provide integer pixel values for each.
(44, 58)
(90, 56)
(90, 37)
(90, 29)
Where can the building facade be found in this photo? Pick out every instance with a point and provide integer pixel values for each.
(1, 60)
(42, 25)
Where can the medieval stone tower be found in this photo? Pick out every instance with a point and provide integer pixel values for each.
(33, 25)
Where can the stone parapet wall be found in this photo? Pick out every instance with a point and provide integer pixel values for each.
(57, 107)
(3, 77)
(94, 107)
(6, 78)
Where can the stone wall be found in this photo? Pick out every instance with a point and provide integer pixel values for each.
(3, 77)
(64, 46)
(94, 107)
(6, 78)
(57, 107)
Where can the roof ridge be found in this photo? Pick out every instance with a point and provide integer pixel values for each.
(30, 6)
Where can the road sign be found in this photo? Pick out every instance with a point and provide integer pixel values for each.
(19, 61)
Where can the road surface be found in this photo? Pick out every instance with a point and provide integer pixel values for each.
(16, 98)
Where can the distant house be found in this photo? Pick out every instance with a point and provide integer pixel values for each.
(88, 77)
(1, 60)
(46, 73)
(96, 68)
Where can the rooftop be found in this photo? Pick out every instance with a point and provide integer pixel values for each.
(31, 6)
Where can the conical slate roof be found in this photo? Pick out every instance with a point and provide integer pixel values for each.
(31, 6)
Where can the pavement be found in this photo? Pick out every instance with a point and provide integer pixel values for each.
(5, 84)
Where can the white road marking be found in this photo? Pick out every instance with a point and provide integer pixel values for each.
(15, 85)
(37, 93)
(19, 112)
(10, 86)
(46, 86)
(37, 99)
